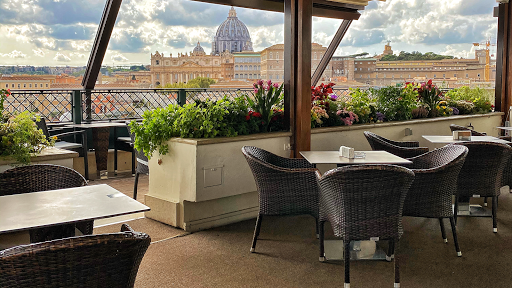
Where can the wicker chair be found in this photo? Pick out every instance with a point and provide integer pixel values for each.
(454, 127)
(142, 164)
(363, 202)
(43, 177)
(105, 260)
(482, 173)
(285, 186)
(435, 182)
(81, 148)
(406, 149)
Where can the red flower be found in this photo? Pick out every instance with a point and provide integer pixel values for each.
(429, 82)
(256, 114)
(247, 118)
(8, 92)
(274, 118)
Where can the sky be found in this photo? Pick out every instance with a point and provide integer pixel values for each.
(61, 32)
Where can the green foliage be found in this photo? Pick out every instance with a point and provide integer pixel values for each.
(20, 138)
(265, 99)
(362, 105)
(3, 95)
(415, 55)
(429, 95)
(479, 97)
(199, 82)
(396, 103)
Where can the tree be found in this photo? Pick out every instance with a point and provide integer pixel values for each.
(199, 82)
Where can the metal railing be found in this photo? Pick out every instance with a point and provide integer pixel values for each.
(64, 105)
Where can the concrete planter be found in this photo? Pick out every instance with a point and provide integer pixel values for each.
(50, 155)
(204, 183)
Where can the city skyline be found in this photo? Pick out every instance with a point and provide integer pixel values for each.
(58, 33)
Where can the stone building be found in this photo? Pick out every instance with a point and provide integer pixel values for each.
(247, 65)
(272, 62)
(232, 35)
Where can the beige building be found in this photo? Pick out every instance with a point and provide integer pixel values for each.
(247, 65)
(186, 67)
(24, 82)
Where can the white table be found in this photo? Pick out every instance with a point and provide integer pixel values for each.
(372, 157)
(449, 139)
(56, 207)
(359, 250)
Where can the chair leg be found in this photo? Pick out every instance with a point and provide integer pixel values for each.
(317, 232)
(443, 232)
(256, 232)
(494, 214)
(391, 250)
(135, 184)
(86, 159)
(321, 239)
(346, 257)
(133, 162)
(115, 151)
(454, 231)
(456, 209)
(397, 266)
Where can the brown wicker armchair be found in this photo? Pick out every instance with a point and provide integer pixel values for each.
(142, 163)
(43, 177)
(363, 202)
(435, 182)
(105, 260)
(454, 127)
(406, 149)
(285, 186)
(482, 173)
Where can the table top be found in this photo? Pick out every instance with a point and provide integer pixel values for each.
(504, 128)
(41, 209)
(449, 139)
(97, 125)
(333, 157)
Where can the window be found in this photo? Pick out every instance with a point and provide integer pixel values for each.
(236, 76)
(277, 77)
(30, 85)
(478, 75)
(157, 76)
(6, 85)
(315, 57)
(435, 76)
(157, 62)
(277, 55)
(444, 75)
(454, 75)
(236, 67)
(467, 75)
(24, 85)
(271, 56)
(19, 86)
(250, 67)
(270, 77)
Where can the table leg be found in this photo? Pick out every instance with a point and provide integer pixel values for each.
(474, 210)
(100, 137)
(359, 250)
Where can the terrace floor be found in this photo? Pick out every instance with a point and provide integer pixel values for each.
(287, 253)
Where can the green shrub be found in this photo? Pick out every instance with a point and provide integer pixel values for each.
(395, 102)
(481, 98)
(363, 105)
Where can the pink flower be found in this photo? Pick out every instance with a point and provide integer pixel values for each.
(269, 82)
(276, 85)
(256, 90)
(260, 82)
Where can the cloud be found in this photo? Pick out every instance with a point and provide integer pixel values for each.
(118, 58)
(38, 52)
(14, 54)
(71, 32)
(59, 57)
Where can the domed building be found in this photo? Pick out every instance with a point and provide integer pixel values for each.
(232, 36)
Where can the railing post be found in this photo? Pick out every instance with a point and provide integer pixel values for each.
(182, 96)
(88, 109)
(77, 106)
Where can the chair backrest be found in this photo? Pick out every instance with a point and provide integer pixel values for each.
(435, 182)
(454, 127)
(39, 177)
(365, 201)
(482, 172)
(142, 159)
(105, 260)
(405, 149)
(41, 124)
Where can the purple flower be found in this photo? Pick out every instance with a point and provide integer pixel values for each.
(334, 97)
(260, 82)
(269, 83)
(455, 111)
(276, 85)
(380, 116)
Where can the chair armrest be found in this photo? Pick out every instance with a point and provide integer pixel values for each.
(69, 133)
(406, 143)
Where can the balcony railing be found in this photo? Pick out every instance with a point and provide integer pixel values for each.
(58, 105)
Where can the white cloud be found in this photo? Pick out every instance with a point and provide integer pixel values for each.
(61, 57)
(118, 58)
(14, 54)
(38, 52)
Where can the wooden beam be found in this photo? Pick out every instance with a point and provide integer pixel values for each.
(330, 51)
(108, 19)
(290, 65)
(321, 8)
(501, 62)
(302, 129)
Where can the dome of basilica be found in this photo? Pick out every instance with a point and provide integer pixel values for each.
(198, 50)
(232, 35)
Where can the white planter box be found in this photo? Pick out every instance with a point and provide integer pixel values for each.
(204, 183)
(50, 155)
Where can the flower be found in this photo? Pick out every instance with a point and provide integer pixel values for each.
(260, 82)
(269, 83)
(276, 85)
(256, 114)
(255, 90)
(54, 137)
